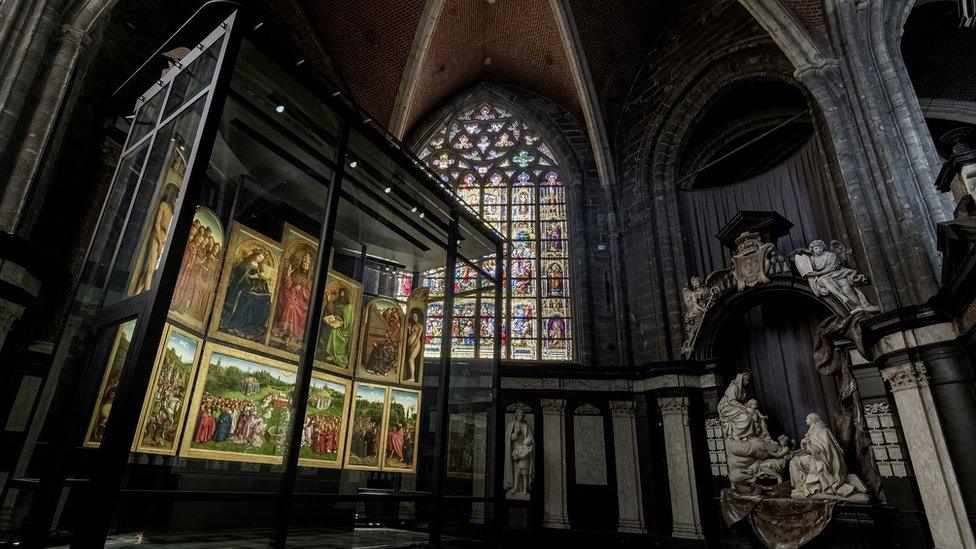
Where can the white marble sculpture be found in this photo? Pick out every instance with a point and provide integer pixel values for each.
(698, 299)
(751, 452)
(750, 262)
(818, 470)
(827, 273)
(520, 448)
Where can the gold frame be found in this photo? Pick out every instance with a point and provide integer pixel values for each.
(191, 419)
(361, 372)
(357, 307)
(186, 319)
(236, 238)
(290, 237)
(343, 424)
(386, 428)
(381, 443)
(87, 442)
(421, 303)
(157, 365)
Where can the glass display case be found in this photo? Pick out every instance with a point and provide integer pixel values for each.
(246, 354)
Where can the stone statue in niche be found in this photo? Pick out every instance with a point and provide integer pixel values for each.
(818, 471)
(698, 298)
(826, 271)
(750, 262)
(751, 452)
(520, 449)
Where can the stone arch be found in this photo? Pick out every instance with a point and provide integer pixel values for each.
(585, 203)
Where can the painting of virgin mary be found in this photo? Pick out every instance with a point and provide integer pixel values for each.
(247, 288)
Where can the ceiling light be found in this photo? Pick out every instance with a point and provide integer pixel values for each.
(280, 109)
(421, 215)
(353, 164)
(414, 209)
(388, 190)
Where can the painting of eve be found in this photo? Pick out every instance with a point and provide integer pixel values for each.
(247, 288)
(154, 239)
(199, 270)
(163, 410)
(336, 343)
(413, 354)
(240, 408)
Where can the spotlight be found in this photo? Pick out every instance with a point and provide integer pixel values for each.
(413, 210)
(388, 190)
(353, 164)
(421, 215)
(280, 109)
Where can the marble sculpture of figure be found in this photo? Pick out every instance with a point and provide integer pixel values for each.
(818, 470)
(520, 448)
(750, 450)
(825, 270)
(698, 298)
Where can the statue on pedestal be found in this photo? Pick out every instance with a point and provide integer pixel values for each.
(818, 470)
(827, 273)
(698, 299)
(520, 449)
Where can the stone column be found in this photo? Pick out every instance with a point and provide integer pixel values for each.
(555, 514)
(937, 484)
(629, 501)
(681, 468)
(958, 174)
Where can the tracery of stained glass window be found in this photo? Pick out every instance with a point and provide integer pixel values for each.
(503, 171)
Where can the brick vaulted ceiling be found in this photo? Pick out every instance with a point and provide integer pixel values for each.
(512, 42)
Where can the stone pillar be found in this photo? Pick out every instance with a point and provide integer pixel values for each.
(629, 501)
(555, 514)
(681, 468)
(958, 174)
(937, 484)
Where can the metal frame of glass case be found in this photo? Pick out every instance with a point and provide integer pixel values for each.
(457, 228)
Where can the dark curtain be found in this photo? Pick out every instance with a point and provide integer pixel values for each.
(774, 342)
(796, 189)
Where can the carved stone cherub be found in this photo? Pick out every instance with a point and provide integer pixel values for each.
(826, 271)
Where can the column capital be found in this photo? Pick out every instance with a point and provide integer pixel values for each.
(673, 405)
(622, 408)
(909, 375)
(552, 406)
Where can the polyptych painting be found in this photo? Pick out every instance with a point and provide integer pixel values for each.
(413, 354)
(324, 429)
(466, 436)
(335, 348)
(381, 352)
(240, 407)
(161, 216)
(110, 384)
(199, 271)
(294, 290)
(402, 430)
(245, 299)
(366, 427)
(165, 405)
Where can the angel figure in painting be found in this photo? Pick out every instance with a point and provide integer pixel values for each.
(520, 448)
(827, 274)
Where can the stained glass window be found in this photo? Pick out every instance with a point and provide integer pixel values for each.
(503, 170)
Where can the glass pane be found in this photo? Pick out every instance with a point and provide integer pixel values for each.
(146, 118)
(151, 216)
(192, 79)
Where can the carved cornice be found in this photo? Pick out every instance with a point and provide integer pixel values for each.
(906, 376)
(673, 406)
(552, 406)
(622, 408)
(878, 408)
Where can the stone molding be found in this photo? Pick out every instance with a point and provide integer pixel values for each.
(910, 375)
(623, 408)
(552, 406)
(673, 405)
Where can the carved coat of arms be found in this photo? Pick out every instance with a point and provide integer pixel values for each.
(750, 261)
